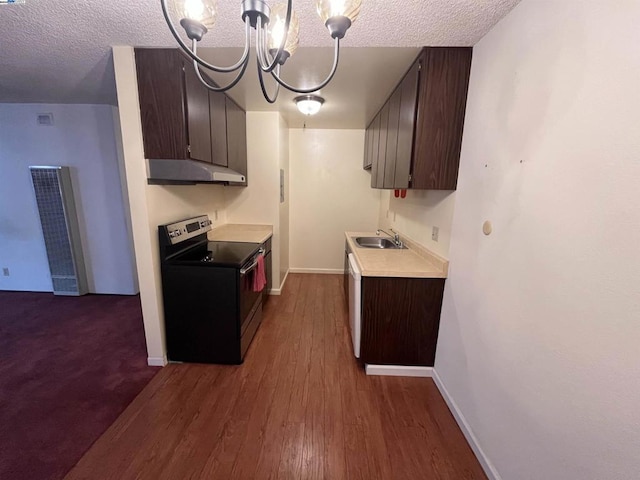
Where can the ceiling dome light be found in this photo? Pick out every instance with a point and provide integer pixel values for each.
(309, 104)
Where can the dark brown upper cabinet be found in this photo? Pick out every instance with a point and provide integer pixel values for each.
(374, 142)
(182, 119)
(197, 113)
(236, 138)
(378, 180)
(218, 116)
(174, 106)
(163, 110)
(366, 162)
(424, 123)
(394, 103)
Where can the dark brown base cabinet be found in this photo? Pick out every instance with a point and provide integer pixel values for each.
(400, 320)
(267, 270)
(414, 141)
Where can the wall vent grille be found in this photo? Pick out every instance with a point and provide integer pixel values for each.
(45, 119)
(59, 220)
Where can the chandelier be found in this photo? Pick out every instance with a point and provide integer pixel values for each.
(276, 37)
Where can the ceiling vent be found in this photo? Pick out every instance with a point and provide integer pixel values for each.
(45, 119)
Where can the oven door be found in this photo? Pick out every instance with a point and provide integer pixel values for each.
(248, 297)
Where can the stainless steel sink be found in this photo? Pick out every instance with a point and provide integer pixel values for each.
(376, 242)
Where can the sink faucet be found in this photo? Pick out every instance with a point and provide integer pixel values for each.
(395, 236)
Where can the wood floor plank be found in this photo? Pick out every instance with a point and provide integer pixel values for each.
(300, 407)
(357, 461)
(334, 446)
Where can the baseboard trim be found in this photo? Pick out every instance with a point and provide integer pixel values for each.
(398, 370)
(278, 291)
(330, 271)
(156, 361)
(485, 463)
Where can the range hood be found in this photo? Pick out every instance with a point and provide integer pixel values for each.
(189, 172)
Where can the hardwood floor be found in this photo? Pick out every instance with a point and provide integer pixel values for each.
(300, 407)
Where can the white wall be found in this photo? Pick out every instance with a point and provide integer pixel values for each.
(417, 214)
(152, 205)
(82, 138)
(284, 206)
(258, 203)
(541, 320)
(330, 193)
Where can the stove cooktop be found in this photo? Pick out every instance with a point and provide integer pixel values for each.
(229, 254)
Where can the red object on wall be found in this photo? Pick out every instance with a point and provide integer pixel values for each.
(403, 193)
(396, 193)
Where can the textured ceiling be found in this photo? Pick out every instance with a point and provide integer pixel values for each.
(59, 52)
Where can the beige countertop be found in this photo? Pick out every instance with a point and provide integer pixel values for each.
(241, 233)
(415, 261)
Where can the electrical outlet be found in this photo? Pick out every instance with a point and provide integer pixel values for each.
(5, 271)
(387, 213)
(434, 234)
(215, 215)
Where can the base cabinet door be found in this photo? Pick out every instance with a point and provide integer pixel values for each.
(400, 320)
(268, 268)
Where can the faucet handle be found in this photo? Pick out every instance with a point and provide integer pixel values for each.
(396, 237)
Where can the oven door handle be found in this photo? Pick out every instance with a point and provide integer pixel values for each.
(245, 270)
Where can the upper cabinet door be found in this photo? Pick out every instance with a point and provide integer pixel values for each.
(366, 162)
(443, 99)
(382, 145)
(406, 126)
(218, 114)
(392, 139)
(198, 127)
(236, 137)
(375, 141)
(162, 108)
(420, 133)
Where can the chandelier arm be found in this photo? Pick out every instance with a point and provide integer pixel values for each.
(214, 88)
(264, 64)
(261, 35)
(261, 47)
(262, 86)
(197, 59)
(336, 58)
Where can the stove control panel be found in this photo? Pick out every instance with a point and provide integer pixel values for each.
(186, 229)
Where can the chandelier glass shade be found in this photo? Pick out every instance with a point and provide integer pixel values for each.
(276, 37)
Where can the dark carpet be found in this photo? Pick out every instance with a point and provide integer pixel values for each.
(68, 367)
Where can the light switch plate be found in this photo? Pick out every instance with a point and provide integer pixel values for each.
(434, 234)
